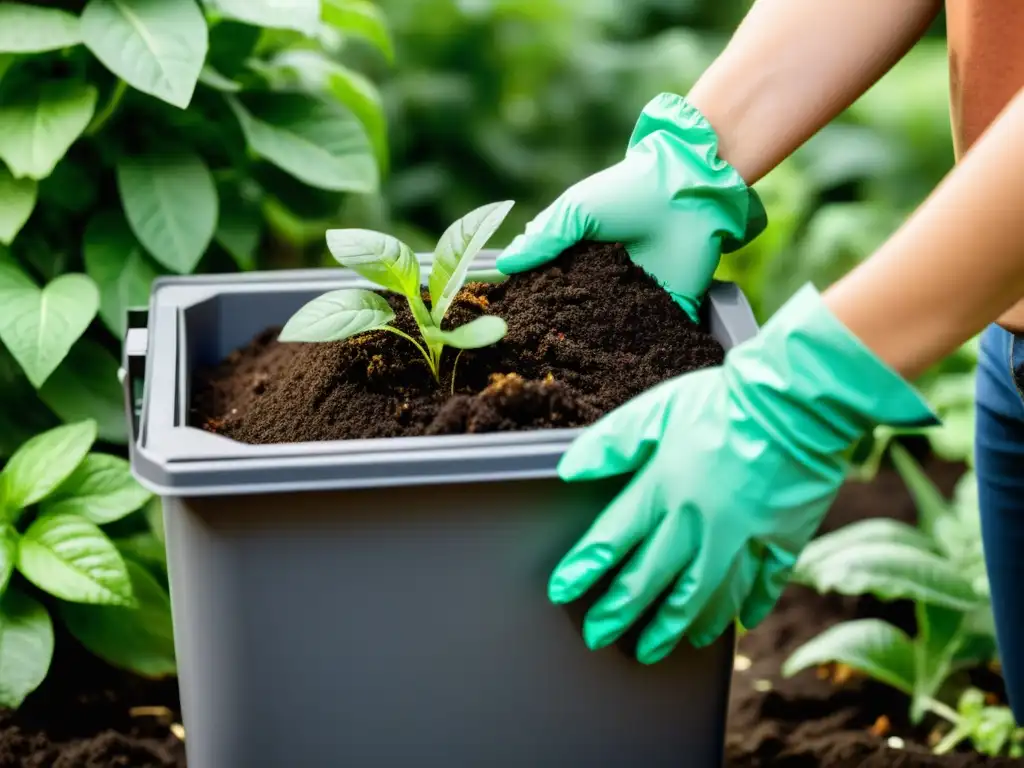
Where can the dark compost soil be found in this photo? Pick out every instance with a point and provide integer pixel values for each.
(585, 334)
(87, 715)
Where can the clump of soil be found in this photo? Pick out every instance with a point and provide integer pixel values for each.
(585, 334)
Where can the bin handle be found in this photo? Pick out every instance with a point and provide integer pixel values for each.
(133, 369)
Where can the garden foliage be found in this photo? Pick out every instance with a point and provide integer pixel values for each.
(141, 138)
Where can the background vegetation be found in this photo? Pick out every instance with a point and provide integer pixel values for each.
(248, 131)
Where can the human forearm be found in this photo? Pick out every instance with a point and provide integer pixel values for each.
(954, 267)
(793, 65)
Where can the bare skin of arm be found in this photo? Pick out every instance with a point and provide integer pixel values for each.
(793, 65)
(954, 266)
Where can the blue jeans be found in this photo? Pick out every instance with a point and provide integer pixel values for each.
(999, 460)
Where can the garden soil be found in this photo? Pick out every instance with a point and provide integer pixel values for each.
(585, 334)
(89, 716)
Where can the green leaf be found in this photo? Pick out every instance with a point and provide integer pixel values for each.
(314, 139)
(383, 259)
(26, 647)
(17, 200)
(28, 28)
(84, 386)
(316, 72)
(29, 417)
(458, 246)
(154, 513)
(361, 18)
(39, 327)
(300, 15)
(338, 315)
(239, 228)
(101, 489)
(143, 548)
(890, 571)
(72, 559)
(871, 646)
(931, 506)
(214, 79)
(37, 130)
(43, 463)
(140, 639)
(820, 551)
(171, 203)
(480, 332)
(156, 46)
(8, 555)
(117, 262)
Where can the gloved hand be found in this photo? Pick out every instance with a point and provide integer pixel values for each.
(671, 201)
(735, 467)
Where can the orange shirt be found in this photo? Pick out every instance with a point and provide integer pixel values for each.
(986, 63)
(986, 70)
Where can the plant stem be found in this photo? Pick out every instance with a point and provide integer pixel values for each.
(426, 355)
(103, 116)
(454, 367)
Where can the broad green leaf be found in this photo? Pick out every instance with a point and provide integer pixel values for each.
(154, 513)
(360, 18)
(931, 506)
(72, 559)
(43, 463)
(315, 139)
(26, 647)
(316, 72)
(139, 639)
(143, 548)
(117, 262)
(17, 200)
(871, 646)
(300, 15)
(458, 246)
(338, 315)
(239, 228)
(85, 386)
(385, 260)
(26, 28)
(37, 129)
(8, 554)
(101, 489)
(479, 332)
(890, 571)
(232, 47)
(39, 326)
(156, 46)
(819, 552)
(940, 635)
(171, 203)
(214, 79)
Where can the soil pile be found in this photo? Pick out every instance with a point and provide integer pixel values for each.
(585, 334)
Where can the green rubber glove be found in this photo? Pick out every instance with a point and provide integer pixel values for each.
(734, 468)
(671, 201)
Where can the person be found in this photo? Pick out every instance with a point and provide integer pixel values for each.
(731, 469)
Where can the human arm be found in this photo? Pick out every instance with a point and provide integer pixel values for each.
(793, 65)
(681, 196)
(954, 266)
(733, 468)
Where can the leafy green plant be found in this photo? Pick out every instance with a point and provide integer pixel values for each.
(939, 565)
(57, 499)
(147, 137)
(393, 265)
(991, 730)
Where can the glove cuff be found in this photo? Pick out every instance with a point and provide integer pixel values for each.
(671, 115)
(809, 378)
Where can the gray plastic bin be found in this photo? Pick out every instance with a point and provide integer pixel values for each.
(382, 603)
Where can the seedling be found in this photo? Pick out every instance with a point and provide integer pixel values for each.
(391, 264)
(938, 565)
